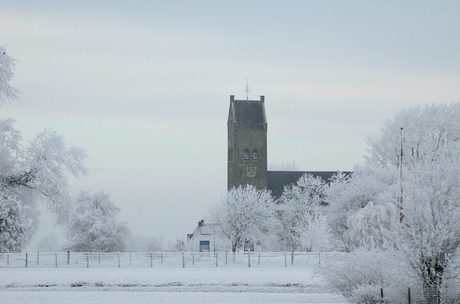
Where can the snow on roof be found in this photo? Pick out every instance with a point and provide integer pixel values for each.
(207, 229)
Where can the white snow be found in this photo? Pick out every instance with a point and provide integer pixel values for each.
(161, 285)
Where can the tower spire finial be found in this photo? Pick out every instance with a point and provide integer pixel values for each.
(247, 90)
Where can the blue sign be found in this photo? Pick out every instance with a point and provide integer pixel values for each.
(204, 246)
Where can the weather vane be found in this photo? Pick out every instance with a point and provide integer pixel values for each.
(247, 90)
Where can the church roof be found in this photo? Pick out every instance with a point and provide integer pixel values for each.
(277, 180)
(249, 114)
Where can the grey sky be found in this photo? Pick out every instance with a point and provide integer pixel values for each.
(144, 86)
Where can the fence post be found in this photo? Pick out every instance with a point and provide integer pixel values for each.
(249, 258)
(7, 259)
(151, 259)
(87, 259)
(55, 259)
(258, 259)
(319, 258)
(285, 259)
(193, 259)
(130, 257)
(381, 292)
(292, 257)
(226, 255)
(68, 257)
(217, 259)
(119, 264)
(408, 295)
(99, 258)
(183, 260)
(161, 257)
(26, 259)
(38, 258)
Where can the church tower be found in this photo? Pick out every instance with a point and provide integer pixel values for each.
(247, 143)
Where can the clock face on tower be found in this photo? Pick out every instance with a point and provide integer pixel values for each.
(251, 170)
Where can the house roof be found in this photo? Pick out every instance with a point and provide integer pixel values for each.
(249, 114)
(277, 180)
(203, 229)
(207, 229)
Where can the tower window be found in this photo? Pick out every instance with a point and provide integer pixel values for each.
(254, 155)
(246, 154)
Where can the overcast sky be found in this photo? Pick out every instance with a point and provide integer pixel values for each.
(144, 86)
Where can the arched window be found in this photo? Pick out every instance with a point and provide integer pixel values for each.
(255, 156)
(246, 154)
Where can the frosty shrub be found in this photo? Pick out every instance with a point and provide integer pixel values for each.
(361, 274)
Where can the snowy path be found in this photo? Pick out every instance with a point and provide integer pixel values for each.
(94, 297)
(171, 285)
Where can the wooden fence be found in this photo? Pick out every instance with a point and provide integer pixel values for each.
(164, 259)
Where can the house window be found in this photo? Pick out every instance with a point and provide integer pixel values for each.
(246, 154)
(254, 155)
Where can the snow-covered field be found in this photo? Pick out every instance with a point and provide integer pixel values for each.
(165, 285)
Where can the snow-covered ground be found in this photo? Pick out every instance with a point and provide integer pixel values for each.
(165, 285)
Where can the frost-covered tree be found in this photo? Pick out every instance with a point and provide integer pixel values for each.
(179, 245)
(372, 227)
(244, 212)
(299, 208)
(16, 226)
(347, 195)
(430, 231)
(424, 131)
(316, 235)
(33, 174)
(366, 205)
(7, 65)
(94, 227)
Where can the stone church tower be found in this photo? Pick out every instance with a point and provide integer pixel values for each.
(247, 143)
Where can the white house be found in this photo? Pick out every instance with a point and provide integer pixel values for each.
(207, 238)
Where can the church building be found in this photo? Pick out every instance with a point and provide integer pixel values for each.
(247, 164)
(247, 150)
